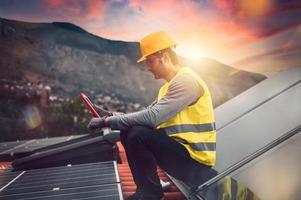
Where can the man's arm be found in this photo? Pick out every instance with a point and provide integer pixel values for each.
(183, 91)
(152, 104)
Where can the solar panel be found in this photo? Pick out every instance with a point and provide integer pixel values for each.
(88, 150)
(84, 181)
(245, 102)
(16, 149)
(41, 143)
(255, 129)
(272, 175)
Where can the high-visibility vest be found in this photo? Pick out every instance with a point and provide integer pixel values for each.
(194, 126)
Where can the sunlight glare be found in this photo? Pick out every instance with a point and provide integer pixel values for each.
(191, 52)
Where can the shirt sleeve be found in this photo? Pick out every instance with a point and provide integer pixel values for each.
(183, 91)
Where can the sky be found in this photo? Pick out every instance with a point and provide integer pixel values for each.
(255, 35)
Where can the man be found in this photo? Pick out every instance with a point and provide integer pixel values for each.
(176, 132)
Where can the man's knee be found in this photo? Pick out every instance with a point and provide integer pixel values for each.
(136, 134)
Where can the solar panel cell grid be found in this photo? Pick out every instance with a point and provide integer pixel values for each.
(101, 191)
(85, 181)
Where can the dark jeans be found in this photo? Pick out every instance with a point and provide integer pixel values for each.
(146, 148)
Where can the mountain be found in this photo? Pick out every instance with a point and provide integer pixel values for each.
(71, 60)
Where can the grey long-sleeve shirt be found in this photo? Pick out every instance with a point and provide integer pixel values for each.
(183, 91)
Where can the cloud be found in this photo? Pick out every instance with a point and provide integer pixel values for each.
(246, 20)
(226, 30)
(76, 9)
(258, 19)
(284, 50)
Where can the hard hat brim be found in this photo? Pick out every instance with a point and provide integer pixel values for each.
(141, 59)
(150, 53)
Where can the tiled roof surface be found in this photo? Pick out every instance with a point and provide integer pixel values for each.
(128, 186)
(4, 166)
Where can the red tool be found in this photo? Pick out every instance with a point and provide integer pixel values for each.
(89, 104)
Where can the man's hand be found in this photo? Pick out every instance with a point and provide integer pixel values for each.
(102, 111)
(96, 123)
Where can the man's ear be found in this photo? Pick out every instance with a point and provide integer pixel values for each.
(165, 57)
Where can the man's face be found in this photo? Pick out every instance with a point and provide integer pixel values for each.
(155, 65)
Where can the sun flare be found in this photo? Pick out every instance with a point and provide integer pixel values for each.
(190, 52)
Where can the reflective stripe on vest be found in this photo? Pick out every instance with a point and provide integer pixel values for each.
(182, 128)
(200, 146)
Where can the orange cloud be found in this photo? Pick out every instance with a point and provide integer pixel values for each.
(228, 30)
(243, 8)
(226, 6)
(77, 9)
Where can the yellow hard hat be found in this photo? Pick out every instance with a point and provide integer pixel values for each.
(153, 43)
